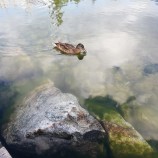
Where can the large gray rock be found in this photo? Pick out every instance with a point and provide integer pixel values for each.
(49, 122)
(3, 152)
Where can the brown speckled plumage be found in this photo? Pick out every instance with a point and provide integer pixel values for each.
(70, 49)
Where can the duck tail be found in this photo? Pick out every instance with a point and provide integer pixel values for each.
(57, 43)
(54, 44)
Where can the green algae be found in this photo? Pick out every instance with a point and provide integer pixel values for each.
(124, 140)
(101, 105)
(128, 145)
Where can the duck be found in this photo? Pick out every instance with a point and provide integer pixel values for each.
(70, 49)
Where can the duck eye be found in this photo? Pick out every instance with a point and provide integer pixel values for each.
(82, 46)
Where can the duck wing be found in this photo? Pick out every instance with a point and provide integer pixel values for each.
(65, 47)
(69, 45)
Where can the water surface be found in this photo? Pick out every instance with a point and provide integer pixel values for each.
(121, 40)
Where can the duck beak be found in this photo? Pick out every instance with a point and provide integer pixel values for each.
(84, 53)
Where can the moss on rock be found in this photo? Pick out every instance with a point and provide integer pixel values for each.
(124, 140)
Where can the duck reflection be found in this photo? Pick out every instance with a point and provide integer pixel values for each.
(81, 56)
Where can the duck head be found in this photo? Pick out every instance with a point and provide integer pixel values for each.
(80, 46)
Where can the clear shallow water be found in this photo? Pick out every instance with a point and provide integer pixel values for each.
(121, 40)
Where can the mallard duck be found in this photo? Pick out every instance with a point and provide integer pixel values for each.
(69, 49)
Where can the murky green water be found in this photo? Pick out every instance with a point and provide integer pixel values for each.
(121, 40)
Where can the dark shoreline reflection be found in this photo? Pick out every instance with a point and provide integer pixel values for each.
(7, 98)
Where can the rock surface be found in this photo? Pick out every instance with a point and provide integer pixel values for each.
(3, 152)
(151, 69)
(124, 140)
(49, 122)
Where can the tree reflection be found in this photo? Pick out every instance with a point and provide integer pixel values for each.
(56, 9)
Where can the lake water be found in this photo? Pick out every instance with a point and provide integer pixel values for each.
(121, 39)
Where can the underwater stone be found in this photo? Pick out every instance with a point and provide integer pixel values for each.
(124, 140)
(151, 69)
(49, 122)
(3, 152)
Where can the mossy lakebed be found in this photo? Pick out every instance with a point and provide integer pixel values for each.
(124, 140)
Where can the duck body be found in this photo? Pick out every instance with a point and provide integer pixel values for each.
(69, 49)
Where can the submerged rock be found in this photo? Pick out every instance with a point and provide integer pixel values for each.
(49, 122)
(124, 140)
(151, 69)
(3, 152)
